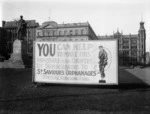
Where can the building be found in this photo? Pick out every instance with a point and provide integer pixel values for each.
(51, 31)
(132, 47)
(147, 58)
(2, 44)
(10, 34)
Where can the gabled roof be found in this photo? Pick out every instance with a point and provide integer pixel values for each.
(52, 24)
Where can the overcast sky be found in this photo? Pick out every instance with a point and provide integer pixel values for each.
(105, 16)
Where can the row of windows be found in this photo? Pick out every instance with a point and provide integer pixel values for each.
(13, 34)
(61, 33)
(128, 61)
(64, 39)
(126, 53)
(127, 41)
(127, 47)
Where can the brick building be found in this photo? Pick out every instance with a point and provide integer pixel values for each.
(2, 44)
(132, 47)
(10, 34)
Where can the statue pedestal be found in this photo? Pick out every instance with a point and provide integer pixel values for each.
(15, 61)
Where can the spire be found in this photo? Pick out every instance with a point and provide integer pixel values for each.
(142, 26)
(142, 23)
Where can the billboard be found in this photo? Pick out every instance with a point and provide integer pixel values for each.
(83, 62)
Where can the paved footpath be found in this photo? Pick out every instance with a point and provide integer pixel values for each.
(143, 74)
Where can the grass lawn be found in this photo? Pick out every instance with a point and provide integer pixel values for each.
(19, 95)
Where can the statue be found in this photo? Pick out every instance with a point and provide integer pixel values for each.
(21, 29)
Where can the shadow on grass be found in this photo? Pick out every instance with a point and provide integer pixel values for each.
(129, 81)
(11, 80)
(126, 81)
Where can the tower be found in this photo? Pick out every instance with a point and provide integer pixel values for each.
(141, 43)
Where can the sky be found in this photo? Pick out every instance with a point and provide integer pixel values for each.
(105, 16)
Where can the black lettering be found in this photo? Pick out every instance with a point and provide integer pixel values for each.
(38, 71)
(45, 50)
(40, 48)
(52, 54)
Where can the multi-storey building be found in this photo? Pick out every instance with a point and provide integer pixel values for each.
(131, 47)
(10, 34)
(50, 31)
(2, 44)
(147, 58)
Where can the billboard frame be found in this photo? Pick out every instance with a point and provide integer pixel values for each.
(99, 84)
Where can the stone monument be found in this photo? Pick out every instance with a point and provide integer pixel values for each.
(15, 60)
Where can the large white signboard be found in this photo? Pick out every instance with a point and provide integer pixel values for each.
(87, 62)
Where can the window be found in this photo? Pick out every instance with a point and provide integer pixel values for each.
(126, 41)
(125, 47)
(38, 33)
(29, 34)
(126, 60)
(133, 41)
(65, 32)
(142, 34)
(133, 47)
(119, 46)
(134, 53)
(82, 31)
(142, 41)
(125, 53)
(59, 33)
(43, 33)
(119, 40)
(53, 33)
(125, 44)
(48, 34)
(134, 60)
(71, 32)
(76, 32)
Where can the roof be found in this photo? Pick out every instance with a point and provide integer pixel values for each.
(123, 36)
(130, 36)
(52, 24)
(106, 37)
(13, 24)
